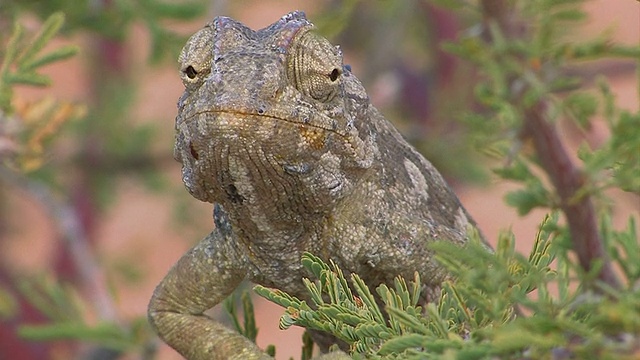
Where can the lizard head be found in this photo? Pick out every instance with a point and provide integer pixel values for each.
(270, 116)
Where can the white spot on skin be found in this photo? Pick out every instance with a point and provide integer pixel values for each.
(417, 179)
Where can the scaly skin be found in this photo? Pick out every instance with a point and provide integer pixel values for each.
(275, 131)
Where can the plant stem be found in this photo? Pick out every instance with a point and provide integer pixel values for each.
(92, 278)
(568, 180)
(564, 175)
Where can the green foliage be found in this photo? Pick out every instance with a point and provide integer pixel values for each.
(620, 155)
(23, 57)
(115, 19)
(248, 329)
(354, 319)
(66, 310)
(21, 61)
(623, 247)
(480, 315)
(519, 71)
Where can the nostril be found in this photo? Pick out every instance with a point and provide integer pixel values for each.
(193, 151)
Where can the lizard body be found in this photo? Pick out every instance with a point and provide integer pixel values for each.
(275, 131)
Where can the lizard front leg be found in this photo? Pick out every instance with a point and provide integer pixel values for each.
(201, 279)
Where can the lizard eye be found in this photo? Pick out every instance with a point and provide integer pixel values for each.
(190, 72)
(333, 76)
(195, 58)
(314, 66)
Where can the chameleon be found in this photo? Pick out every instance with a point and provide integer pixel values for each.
(279, 135)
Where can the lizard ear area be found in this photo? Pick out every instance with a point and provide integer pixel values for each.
(314, 66)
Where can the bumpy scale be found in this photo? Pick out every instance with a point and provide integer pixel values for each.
(280, 136)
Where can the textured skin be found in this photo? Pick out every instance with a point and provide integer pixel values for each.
(281, 137)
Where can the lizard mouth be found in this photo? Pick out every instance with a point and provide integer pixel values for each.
(293, 137)
(310, 123)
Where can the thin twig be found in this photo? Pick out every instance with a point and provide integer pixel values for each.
(568, 180)
(92, 278)
(564, 175)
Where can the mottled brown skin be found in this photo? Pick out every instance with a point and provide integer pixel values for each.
(275, 131)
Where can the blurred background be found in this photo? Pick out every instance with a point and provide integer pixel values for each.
(101, 212)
